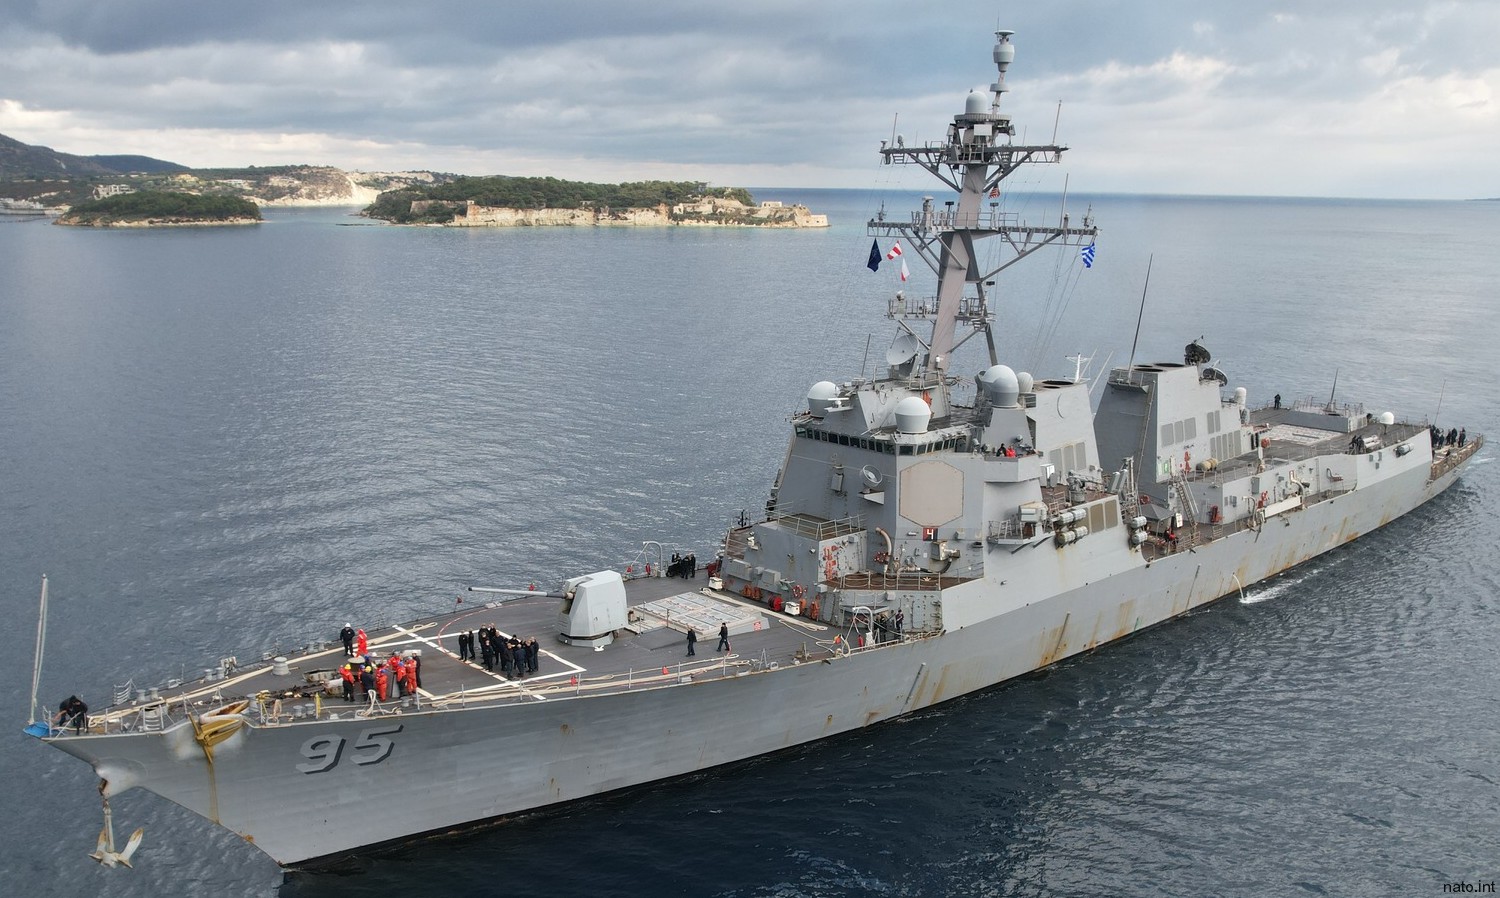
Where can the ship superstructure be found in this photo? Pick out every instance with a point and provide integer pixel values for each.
(917, 545)
(891, 487)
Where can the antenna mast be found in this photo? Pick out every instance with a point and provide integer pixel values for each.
(1140, 315)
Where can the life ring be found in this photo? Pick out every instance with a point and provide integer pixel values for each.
(1145, 499)
(798, 591)
(1262, 503)
(1265, 442)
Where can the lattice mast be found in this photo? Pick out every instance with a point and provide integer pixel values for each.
(976, 156)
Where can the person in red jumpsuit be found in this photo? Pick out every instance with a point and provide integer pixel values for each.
(395, 682)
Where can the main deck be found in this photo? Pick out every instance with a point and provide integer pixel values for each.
(651, 652)
(1289, 437)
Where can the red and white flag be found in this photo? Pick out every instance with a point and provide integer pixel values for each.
(904, 272)
(895, 253)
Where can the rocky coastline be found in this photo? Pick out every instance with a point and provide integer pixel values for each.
(65, 221)
(715, 213)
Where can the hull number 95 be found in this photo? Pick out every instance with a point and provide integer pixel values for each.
(374, 745)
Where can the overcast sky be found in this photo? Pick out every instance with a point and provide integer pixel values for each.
(1333, 98)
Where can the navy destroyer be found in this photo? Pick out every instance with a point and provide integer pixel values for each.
(931, 532)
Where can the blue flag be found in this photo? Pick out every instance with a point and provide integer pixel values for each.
(874, 263)
(1087, 254)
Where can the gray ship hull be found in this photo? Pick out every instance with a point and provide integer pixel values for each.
(432, 771)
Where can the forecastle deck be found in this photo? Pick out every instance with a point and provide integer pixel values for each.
(652, 652)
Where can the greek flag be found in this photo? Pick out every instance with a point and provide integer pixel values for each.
(1087, 254)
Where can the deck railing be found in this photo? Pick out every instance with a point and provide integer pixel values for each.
(815, 527)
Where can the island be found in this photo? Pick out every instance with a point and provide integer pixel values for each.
(139, 191)
(154, 208)
(505, 201)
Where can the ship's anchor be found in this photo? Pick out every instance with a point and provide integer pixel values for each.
(105, 852)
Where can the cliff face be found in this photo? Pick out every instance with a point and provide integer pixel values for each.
(288, 186)
(477, 216)
(322, 187)
(708, 213)
(721, 211)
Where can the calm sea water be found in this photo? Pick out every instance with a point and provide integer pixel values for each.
(225, 441)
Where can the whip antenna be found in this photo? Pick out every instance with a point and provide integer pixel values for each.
(1140, 316)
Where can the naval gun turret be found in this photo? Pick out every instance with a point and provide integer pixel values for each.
(593, 608)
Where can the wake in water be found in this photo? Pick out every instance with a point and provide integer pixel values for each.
(1279, 586)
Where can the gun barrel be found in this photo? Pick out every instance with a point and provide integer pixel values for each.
(517, 593)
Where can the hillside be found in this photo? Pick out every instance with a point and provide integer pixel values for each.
(19, 160)
(142, 164)
(34, 178)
